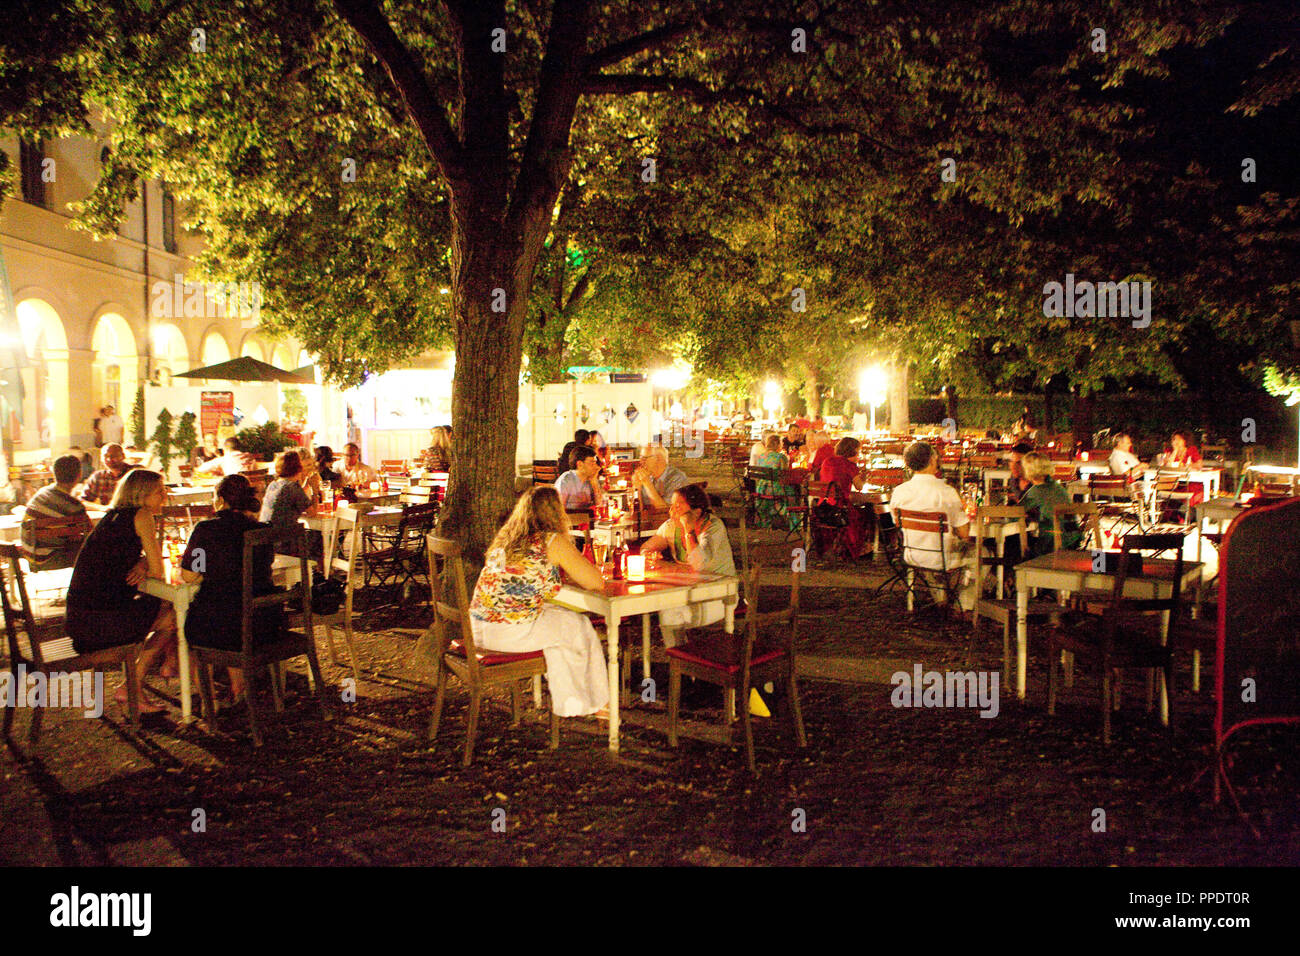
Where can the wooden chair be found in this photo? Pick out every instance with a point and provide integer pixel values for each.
(794, 491)
(345, 545)
(1090, 513)
(394, 466)
(1064, 471)
(1124, 635)
(738, 662)
(1168, 489)
(66, 534)
(991, 522)
(819, 494)
(545, 472)
(252, 657)
(1115, 499)
(457, 654)
(886, 477)
(927, 523)
(889, 541)
(40, 645)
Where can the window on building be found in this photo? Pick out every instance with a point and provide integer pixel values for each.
(30, 158)
(169, 221)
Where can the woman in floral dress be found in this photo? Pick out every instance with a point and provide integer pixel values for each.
(511, 610)
(771, 512)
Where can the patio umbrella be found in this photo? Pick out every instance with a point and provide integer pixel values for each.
(246, 369)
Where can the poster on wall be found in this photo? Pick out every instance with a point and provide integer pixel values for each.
(217, 415)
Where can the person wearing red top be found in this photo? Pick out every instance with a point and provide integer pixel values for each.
(1182, 451)
(839, 471)
(819, 444)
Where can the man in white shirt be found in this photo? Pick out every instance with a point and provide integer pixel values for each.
(111, 426)
(356, 474)
(1122, 459)
(232, 462)
(926, 491)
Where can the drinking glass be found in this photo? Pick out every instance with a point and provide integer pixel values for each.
(601, 548)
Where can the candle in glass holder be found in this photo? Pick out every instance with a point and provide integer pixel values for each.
(636, 567)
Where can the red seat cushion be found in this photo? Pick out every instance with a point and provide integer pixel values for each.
(488, 658)
(722, 653)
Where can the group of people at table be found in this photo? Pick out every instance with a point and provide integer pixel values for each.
(104, 605)
(511, 610)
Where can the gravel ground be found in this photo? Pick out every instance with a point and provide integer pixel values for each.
(876, 785)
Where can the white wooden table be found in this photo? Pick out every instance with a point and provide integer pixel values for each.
(190, 496)
(180, 595)
(1072, 571)
(663, 588)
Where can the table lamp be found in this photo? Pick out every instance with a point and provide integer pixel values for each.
(636, 567)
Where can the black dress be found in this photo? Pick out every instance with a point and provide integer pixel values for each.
(103, 610)
(216, 550)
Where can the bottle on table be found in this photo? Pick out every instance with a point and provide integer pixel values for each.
(620, 556)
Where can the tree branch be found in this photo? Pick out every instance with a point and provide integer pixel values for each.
(642, 42)
(412, 86)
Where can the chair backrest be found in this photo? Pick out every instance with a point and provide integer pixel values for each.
(762, 474)
(923, 523)
(393, 466)
(1109, 486)
(63, 532)
(991, 521)
(1064, 471)
(18, 617)
(1276, 489)
(545, 472)
(819, 491)
(1216, 452)
(418, 495)
(452, 620)
(788, 615)
(1090, 524)
(180, 520)
(1155, 543)
(886, 477)
(251, 603)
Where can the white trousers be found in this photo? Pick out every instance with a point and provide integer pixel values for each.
(673, 619)
(575, 664)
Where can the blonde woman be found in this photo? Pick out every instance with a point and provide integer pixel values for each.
(105, 609)
(510, 611)
(437, 457)
(309, 477)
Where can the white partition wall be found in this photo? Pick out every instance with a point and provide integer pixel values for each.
(622, 413)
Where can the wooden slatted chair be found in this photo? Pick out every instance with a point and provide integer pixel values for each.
(66, 534)
(1169, 495)
(38, 643)
(545, 472)
(1117, 500)
(927, 523)
(1090, 525)
(252, 656)
(457, 654)
(176, 523)
(739, 662)
(1127, 632)
(346, 545)
(991, 522)
(1064, 471)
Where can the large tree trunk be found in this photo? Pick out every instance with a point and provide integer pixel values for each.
(899, 388)
(812, 394)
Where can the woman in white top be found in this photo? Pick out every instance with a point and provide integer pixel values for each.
(759, 449)
(693, 535)
(1122, 459)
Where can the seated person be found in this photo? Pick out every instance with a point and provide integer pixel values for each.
(768, 510)
(692, 535)
(214, 557)
(1122, 459)
(1018, 483)
(839, 471)
(579, 487)
(356, 474)
(231, 462)
(1044, 494)
(926, 491)
(285, 502)
(793, 441)
(102, 484)
(512, 612)
(48, 552)
(1182, 452)
(759, 448)
(819, 447)
(206, 451)
(105, 609)
(437, 457)
(565, 460)
(656, 479)
(325, 467)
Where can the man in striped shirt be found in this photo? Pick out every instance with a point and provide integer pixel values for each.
(46, 551)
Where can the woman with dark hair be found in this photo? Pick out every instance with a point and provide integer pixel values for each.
(214, 559)
(841, 474)
(325, 467)
(692, 535)
(511, 610)
(285, 502)
(105, 609)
